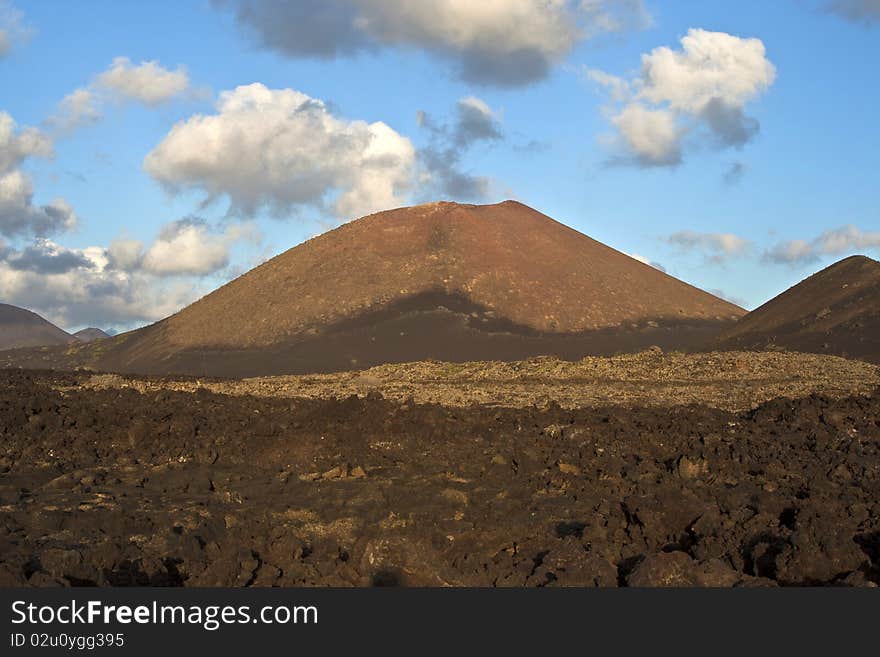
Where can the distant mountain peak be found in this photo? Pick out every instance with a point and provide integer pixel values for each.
(90, 334)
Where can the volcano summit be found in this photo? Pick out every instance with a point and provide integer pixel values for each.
(438, 281)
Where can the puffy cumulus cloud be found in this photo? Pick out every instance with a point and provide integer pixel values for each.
(717, 247)
(440, 160)
(652, 135)
(78, 108)
(125, 254)
(499, 42)
(147, 83)
(698, 91)
(186, 249)
(186, 246)
(18, 145)
(857, 11)
(279, 148)
(836, 242)
(710, 66)
(19, 215)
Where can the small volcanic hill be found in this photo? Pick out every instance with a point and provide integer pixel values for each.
(835, 311)
(438, 281)
(90, 334)
(23, 328)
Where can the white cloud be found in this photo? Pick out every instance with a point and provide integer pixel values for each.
(78, 108)
(836, 242)
(18, 145)
(18, 213)
(279, 148)
(147, 83)
(700, 90)
(651, 134)
(124, 284)
(125, 254)
(710, 65)
(88, 293)
(192, 247)
(501, 42)
(186, 251)
(188, 246)
(717, 246)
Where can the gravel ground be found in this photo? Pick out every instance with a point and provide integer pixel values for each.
(727, 380)
(110, 485)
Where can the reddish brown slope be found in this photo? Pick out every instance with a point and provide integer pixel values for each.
(442, 280)
(835, 311)
(515, 261)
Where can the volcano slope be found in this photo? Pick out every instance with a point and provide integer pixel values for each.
(23, 328)
(439, 281)
(835, 311)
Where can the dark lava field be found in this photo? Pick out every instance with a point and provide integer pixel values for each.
(120, 487)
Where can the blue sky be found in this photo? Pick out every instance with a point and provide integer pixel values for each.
(780, 181)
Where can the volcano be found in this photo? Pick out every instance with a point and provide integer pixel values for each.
(23, 328)
(835, 311)
(90, 334)
(439, 281)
